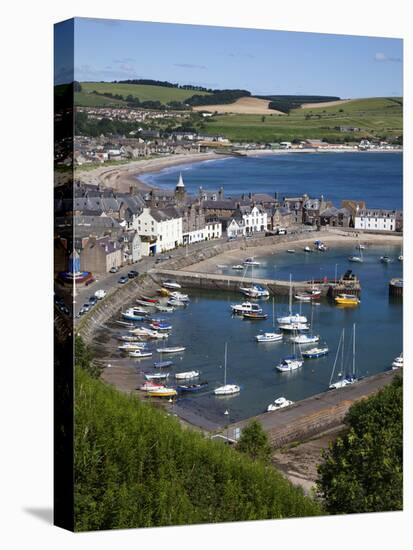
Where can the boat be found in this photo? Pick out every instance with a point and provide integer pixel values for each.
(245, 307)
(131, 346)
(307, 249)
(173, 302)
(270, 336)
(320, 246)
(125, 324)
(179, 296)
(308, 295)
(291, 251)
(147, 386)
(291, 318)
(127, 338)
(169, 283)
(400, 257)
(145, 304)
(175, 349)
(192, 387)
(350, 378)
(304, 339)
(357, 259)
(162, 392)
(149, 333)
(227, 389)
(156, 376)
(133, 315)
(347, 300)
(255, 291)
(385, 259)
(139, 354)
(251, 262)
(187, 375)
(164, 309)
(238, 267)
(294, 327)
(313, 353)
(397, 362)
(163, 364)
(148, 299)
(279, 403)
(253, 316)
(161, 326)
(289, 364)
(163, 292)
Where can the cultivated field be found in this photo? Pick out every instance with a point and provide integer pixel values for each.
(376, 117)
(244, 105)
(325, 104)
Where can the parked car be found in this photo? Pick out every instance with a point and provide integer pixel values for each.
(113, 269)
(132, 274)
(100, 293)
(123, 280)
(93, 300)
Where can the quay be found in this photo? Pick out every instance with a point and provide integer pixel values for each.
(312, 416)
(231, 283)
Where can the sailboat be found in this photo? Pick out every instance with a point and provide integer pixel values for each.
(292, 362)
(255, 290)
(270, 336)
(306, 338)
(357, 258)
(227, 389)
(290, 318)
(350, 378)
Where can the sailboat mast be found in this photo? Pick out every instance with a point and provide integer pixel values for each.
(225, 364)
(335, 360)
(342, 352)
(273, 312)
(291, 295)
(354, 349)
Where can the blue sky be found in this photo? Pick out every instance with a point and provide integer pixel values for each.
(263, 62)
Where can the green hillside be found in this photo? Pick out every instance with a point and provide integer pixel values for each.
(376, 117)
(139, 91)
(137, 467)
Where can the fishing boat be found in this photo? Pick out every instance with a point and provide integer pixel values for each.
(291, 318)
(147, 386)
(289, 364)
(163, 364)
(294, 327)
(175, 349)
(253, 316)
(238, 267)
(227, 389)
(279, 403)
(192, 387)
(156, 376)
(245, 307)
(347, 300)
(169, 283)
(397, 362)
(148, 299)
(187, 375)
(313, 353)
(162, 392)
(163, 292)
(385, 259)
(250, 262)
(161, 326)
(140, 354)
(132, 315)
(304, 339)
(350, 378)
(164, 309)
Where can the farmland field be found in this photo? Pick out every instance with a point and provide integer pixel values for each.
(375, 117)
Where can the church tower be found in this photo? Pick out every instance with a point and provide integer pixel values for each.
(180, 192)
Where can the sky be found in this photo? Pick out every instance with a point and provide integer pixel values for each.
(261, 61)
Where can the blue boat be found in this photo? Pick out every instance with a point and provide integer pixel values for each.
(192, 387)
(315, 352)
(163, 364)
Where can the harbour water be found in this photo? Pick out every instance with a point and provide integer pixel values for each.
(373, 177)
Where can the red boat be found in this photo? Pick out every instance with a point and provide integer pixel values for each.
(149, 300)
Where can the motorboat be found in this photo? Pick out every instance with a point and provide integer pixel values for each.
(179, 296)
(132, 314)
(175, 349)
(162, 392)
(316, 352)
(245, 307)
(291, 251)
(253, 316)
(131, 346)
(147, 386)
(187, 375)
(279, 403)
(250, 261)
(347, 300)
(163, 364)
(227, 389)
(269, 337)
(164, 309)
(156, 376)
(139, 354)
(192, 387)
(397, 362)
(307, 296)
(169, 283)
(303, 339)
(161, 326)
(238, 267)
(294, 327)
(128, 338)
(307, 249)
(289, 364)
(385, 259)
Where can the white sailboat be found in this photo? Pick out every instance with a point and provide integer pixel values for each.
(270, 336)
(227, 389)
(292, 362)
(350, 378)
(290, 318)
(357, 258)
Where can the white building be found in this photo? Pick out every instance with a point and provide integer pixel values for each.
(212, 230)
(160, 230)
(248, 220)
(377, 220)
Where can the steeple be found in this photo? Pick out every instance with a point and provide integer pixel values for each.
(180, 184)
(180, 192)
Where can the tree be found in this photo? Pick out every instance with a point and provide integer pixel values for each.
(363, 469)
(254, 442)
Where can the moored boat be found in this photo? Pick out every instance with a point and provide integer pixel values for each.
(289, 364)
(314, 353)
(147, 386)
(397, 362)
(279, 403)
(163, 292)
(156, 376)
(164, 309)
(139, 354)
(172, 349)
(192, 387)
(294, 327)
(132, 314)
(238, 267)
(303, 339)
(187, 375)
(149, 300)
(162, 392)
(227, 389)
(250, 261)
(269, 337)
(245, 307)
(169, 283)
(349, 378)
(163, 364)
(254, 316)
(385, 259)
(347, 300)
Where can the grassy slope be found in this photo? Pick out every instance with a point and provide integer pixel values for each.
(375, 116)
(142, 92)
(137, 467)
